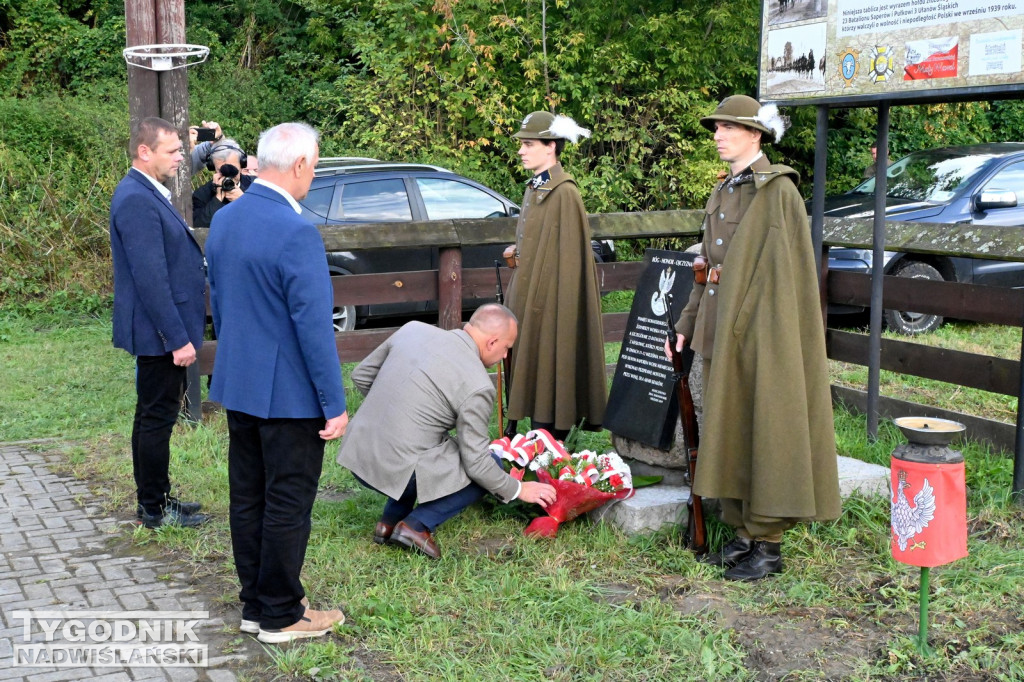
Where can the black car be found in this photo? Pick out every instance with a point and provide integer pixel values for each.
(980, 184)
(361, 190)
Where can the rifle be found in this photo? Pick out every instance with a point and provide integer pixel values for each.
(506, 363)
(696, 529)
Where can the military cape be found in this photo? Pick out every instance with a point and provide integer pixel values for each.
(558, 367)
(768, 435)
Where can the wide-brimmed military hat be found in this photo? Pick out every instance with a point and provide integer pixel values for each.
(748, 111)
(543, 125)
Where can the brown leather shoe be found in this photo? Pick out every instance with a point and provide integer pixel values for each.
(382, 532)
(407, 537)
(312, 624)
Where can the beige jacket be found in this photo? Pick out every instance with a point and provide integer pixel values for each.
(419, 384)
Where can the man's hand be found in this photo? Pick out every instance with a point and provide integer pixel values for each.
(680, 342)
(216, 129)
(538, 493)
(184, 356)
(223, 196)
(511, 259)
(335, 428)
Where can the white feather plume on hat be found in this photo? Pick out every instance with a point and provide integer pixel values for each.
(566, 128)
(768, 116)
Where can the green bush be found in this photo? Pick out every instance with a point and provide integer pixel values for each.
(61, 159)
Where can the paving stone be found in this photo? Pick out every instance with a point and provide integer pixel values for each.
(9, 586)
(103, 597)
(37, 591)
(132, 602)
(59, 675)
(182, 674)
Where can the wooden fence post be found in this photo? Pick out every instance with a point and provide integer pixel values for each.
(449, 288)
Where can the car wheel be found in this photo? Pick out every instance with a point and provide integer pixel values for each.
(345, 315)
(914, 323)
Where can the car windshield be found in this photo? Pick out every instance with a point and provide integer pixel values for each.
(933, 175)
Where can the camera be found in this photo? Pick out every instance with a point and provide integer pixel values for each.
(228, 175)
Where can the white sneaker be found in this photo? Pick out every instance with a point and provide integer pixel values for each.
(252, 627)
(312, 624)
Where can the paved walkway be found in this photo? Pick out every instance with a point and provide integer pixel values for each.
(55, 556)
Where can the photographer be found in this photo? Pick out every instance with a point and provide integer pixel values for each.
(226, 161)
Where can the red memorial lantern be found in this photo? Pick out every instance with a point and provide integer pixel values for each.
(929, 502)
(929, 512)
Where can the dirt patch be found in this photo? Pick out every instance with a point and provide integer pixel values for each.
(497, 547)
(616, 594)
(366, 662)
(798, 641)
(806, 640)
(325, 495)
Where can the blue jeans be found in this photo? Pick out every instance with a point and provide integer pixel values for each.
(431, 514)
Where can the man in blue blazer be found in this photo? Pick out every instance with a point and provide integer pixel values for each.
(159, 310)
(277, 373)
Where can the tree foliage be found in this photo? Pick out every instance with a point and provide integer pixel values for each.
(439, 81)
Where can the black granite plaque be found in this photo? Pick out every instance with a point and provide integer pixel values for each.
(642, 405)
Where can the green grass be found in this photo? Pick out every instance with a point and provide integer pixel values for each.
(592, 604)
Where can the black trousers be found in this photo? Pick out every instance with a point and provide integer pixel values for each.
(158, 386)
(273, 470)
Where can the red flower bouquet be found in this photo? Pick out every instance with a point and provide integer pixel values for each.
(584, 481)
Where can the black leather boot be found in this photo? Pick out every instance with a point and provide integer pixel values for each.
(765, 560)
(738, 549)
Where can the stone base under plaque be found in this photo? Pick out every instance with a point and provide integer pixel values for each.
(675, 458)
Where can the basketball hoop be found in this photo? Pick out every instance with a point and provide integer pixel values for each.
(166, 56)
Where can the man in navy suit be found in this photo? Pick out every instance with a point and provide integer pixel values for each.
(159, 311)
(277, 373)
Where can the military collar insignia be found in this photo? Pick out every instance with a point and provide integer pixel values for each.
(743, 176)
(539, 180)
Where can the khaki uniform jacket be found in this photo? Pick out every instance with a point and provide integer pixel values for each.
(419, 384)
(768, 435)
(558, 368)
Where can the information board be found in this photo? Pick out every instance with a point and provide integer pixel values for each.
(642, 402)
(861, 51)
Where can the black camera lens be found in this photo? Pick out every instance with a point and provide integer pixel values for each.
(228, 173)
